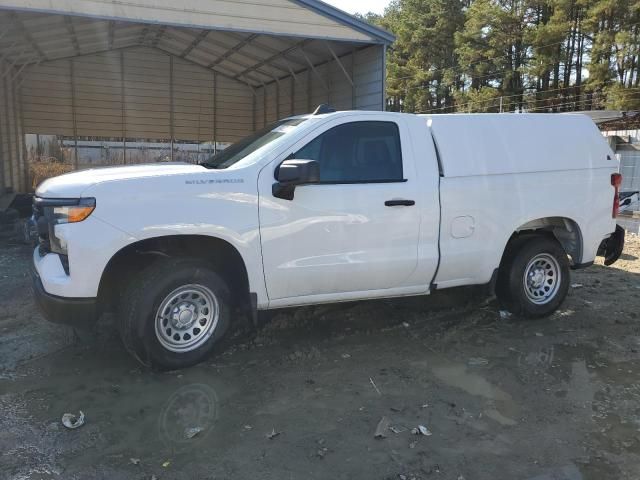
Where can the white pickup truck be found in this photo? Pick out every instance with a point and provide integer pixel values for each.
(327, 207)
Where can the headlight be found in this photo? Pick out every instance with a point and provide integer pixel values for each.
(49, 212)
(79, 210)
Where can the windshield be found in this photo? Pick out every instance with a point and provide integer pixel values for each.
(250, 144)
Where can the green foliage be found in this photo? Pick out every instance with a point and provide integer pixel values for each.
(538, 55)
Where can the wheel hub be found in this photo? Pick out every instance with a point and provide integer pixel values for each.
(186, 318)
(537, 277)
(184, 315)
(542, 278)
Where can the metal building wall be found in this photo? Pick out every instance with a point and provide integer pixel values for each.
(137, 92)
(13, 174)
(356, 83)
(630, 167)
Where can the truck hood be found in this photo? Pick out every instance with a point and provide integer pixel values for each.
(71, 185)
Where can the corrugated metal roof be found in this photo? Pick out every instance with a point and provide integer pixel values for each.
(332, 12)
(28, 38)
(304, 18)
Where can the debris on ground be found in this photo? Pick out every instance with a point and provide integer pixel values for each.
(413, 444)
(381, 429)
(395, 429)
(322, 452)
(375, 386)
(539, 334)
(166, 464)
(135, 461)
(505, 315)
(576, 285)
(248, 427)
(72, 421)
(405, 324)
(421, 430)
(346, 355)
(192, 432)
(477, 362)
(273, 434)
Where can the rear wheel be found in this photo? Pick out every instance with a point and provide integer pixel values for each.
(534, 276)
(173, 313)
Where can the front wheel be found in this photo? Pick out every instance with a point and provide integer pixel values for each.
(173, 313)
(534, 276)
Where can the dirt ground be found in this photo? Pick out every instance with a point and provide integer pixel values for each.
(503, 398)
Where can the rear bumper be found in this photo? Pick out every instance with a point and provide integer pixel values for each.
(77, 312)
(611, 248)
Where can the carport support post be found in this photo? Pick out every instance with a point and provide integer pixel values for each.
(19, 141)
(73, 114)
(309, 89)
(215, 113)
(255, 113)
(353, 83)
(277, 98)
(384, 78)
(171, 103)
(2, 157)
(264, 101)
(7, 133)
(124, 110)
(293, 95)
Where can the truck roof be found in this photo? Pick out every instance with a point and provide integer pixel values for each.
(494, 144)
(472, 144)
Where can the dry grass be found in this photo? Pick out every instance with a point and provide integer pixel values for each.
(41, 170)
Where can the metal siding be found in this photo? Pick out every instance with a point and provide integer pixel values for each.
(235, 110)
(46, 99)
(98, 99)
(301, 92)
(147, 94)
(368, 76)
(254, 16)
(271, 103)
(319, 81)
(630, 169)
(259, 112)
(341, 89)
(98, 95)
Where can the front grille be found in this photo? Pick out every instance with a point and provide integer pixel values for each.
(42, 227)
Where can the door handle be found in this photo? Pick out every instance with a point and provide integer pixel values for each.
(399, 203)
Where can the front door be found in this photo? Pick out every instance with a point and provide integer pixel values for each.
(358, 229)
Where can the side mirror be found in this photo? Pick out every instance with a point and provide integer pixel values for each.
(292, 173)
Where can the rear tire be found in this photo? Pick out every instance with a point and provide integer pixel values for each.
(534, 277)
(173, 313)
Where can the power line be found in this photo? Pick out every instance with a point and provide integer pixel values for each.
(458, 67)
(630, 91)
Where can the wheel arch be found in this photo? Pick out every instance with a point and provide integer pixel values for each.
(564, 229)
(138, 255)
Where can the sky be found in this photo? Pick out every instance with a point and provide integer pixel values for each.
(360, 6)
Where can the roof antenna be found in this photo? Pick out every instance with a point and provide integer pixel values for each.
(324, 108)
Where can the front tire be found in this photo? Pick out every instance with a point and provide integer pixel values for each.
(173, 313)
(534, 277)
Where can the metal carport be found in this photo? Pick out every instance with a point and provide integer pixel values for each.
(196, 71)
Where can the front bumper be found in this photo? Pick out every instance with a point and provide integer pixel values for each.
(77, 312)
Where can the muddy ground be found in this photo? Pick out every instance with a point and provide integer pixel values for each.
(503, 398)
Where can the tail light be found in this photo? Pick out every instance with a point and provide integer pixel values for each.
(616, 181)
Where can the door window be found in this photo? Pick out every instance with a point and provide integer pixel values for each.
(357, 152)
